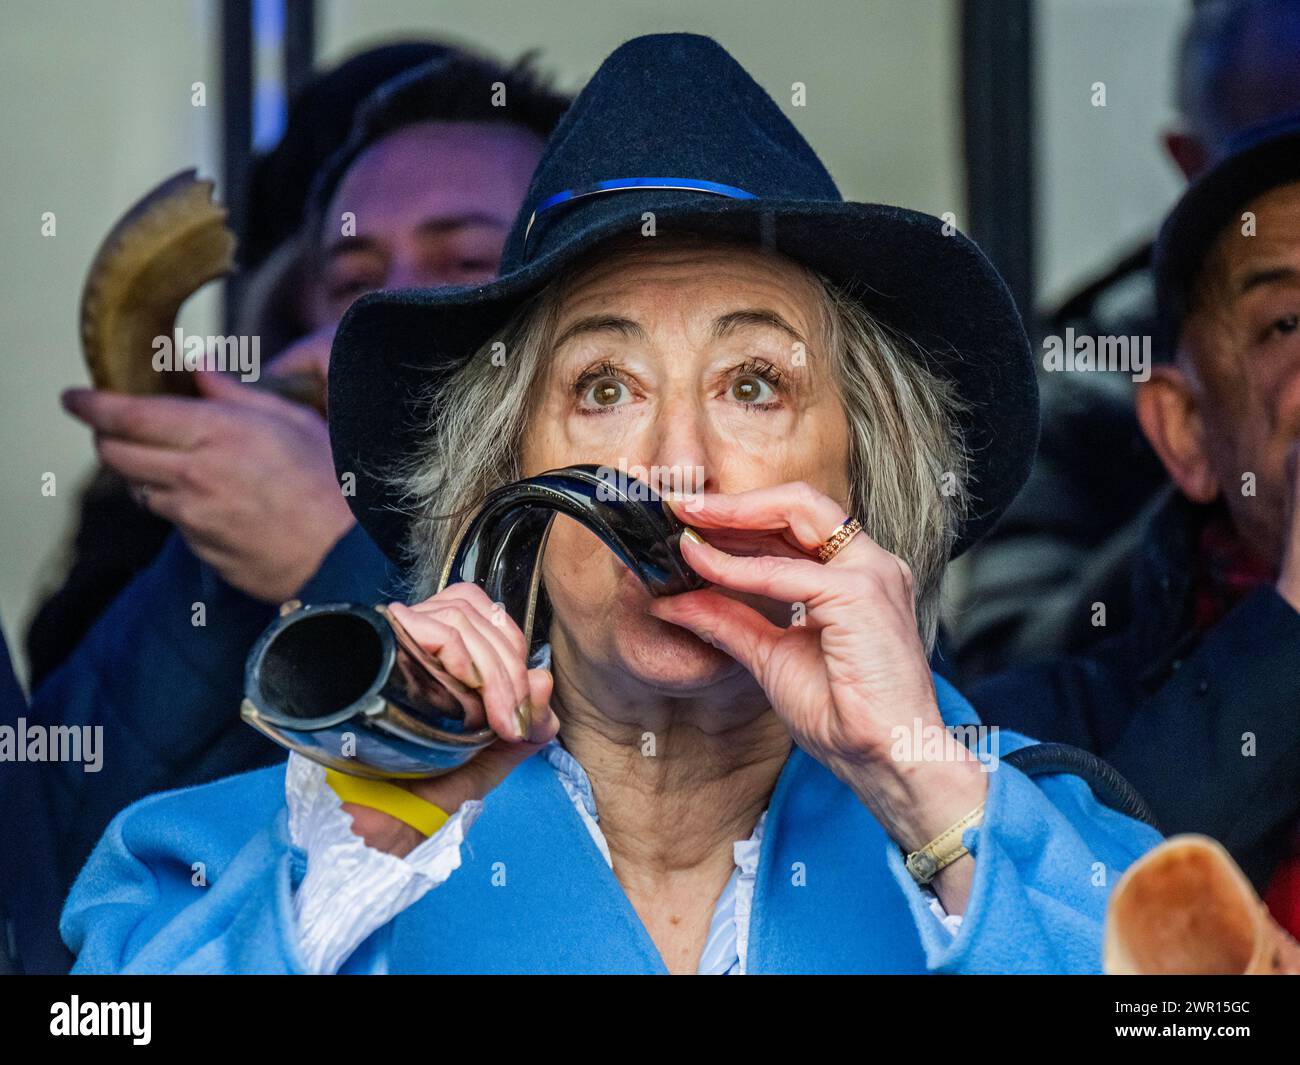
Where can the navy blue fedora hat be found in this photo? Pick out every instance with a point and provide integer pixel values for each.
(673, 125)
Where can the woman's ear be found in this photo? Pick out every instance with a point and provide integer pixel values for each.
(1168, 409)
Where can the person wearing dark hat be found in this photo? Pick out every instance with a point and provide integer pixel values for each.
(733, 788)
(1195, 702)
(433, 175)
(1068, 539)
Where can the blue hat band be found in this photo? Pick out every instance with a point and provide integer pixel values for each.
(714, 188)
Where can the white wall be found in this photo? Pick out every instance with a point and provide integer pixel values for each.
(1103, 179)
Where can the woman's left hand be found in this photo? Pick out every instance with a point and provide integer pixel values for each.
(848, 673)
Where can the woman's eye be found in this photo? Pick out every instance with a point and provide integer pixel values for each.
(607, 392)
(750, 388)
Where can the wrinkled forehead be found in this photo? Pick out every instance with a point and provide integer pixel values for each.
(679, 276)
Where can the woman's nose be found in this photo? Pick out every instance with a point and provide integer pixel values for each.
(680, 454)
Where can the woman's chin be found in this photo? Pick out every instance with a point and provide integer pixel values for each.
(670, 658)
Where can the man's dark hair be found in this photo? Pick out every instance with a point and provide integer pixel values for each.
(462, 88)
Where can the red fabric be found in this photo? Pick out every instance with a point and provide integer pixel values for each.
(1227, 571)
(1283, 894)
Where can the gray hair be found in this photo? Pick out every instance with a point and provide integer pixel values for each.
(907, 461)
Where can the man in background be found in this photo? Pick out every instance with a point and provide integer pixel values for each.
(115, 538)
(1068, 541)
(1197, 699)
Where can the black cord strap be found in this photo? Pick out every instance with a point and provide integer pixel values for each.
(1110, 788)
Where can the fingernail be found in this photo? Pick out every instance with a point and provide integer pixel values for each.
(692, 535)
(524, 718)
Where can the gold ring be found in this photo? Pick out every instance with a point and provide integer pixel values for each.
(833, 544)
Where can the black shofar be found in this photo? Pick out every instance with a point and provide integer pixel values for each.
(345, 685)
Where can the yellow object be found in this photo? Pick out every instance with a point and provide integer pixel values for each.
(406, 806)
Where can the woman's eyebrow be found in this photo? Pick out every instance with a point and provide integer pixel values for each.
(753, 316)
(603, 323)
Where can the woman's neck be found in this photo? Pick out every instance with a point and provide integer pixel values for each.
(676, 781)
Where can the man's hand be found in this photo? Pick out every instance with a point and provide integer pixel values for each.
(1288, 581)
(246, 476)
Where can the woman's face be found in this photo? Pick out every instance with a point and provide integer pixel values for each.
(692, 358)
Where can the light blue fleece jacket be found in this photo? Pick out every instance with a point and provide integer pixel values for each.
(534, 895)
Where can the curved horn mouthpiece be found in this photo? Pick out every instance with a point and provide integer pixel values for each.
(1186, 908)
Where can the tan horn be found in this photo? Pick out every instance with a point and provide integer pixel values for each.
(170, 244)
(1186, 908)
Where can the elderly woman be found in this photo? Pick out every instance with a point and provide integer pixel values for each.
(720, 781)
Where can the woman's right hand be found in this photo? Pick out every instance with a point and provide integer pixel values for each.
(480, 645)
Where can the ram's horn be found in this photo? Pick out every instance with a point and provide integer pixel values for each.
(1186, 908)
(163, 250)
